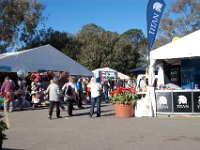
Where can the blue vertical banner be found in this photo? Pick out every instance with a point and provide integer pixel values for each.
(155, 9)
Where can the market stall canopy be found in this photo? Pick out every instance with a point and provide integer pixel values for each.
(107, 70)
(139, 70)
(185, 47)
(42, 58)
(142, 70)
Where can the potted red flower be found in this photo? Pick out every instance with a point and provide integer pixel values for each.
(124, 100)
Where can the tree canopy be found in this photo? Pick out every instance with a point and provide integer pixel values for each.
(18, 21)
(102, 48)
(181, 18)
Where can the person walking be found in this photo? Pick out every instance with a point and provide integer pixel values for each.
(105, 86)
(7, 90)
(79, 93)
(69, 93)
(96, 90)
(54, 93)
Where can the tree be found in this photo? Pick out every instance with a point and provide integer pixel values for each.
(108, 41)
(142, 50)
(134, 36)
(124, 56)
(181, 18)
(187, 17)
(89, 33)
(92, 28)
(102, 48)
(92, 49)
(18, 21)
(137, 38)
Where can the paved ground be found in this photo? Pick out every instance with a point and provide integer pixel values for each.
(32, 130)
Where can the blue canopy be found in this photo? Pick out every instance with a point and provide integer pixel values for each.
(141, 70)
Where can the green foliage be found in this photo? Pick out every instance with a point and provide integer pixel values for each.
(134, 36)
(138, 52)
(18, 21)
(92, 29)
(125, 99)
(3, 127)
(102, 48)
(124, 96)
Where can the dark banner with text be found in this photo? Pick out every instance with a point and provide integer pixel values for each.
(155, 9)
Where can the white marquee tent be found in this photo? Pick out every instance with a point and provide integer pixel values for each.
(120, 75)
(188, 46)
(42, 58)
(185, 47)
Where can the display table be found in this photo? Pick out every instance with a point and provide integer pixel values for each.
(178, 101)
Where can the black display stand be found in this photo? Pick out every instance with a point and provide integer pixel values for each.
(178, 101)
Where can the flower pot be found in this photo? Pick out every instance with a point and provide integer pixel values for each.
(123, 111)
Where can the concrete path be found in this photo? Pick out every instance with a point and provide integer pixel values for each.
(32, 130)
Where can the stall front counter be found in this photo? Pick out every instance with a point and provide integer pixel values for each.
(178, 101)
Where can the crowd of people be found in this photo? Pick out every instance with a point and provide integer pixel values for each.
(43, 90)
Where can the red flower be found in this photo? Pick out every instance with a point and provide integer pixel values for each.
(128, 89)
(3, 94)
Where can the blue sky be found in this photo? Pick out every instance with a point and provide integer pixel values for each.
(113, 15)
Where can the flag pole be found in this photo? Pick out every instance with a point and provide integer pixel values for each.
(155, 9)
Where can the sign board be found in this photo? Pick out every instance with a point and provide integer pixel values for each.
(164, 101)
(108, 75)
(182, 102)
(196, 100)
